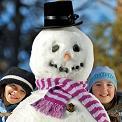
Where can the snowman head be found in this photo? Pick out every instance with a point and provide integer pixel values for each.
(62, 52)
(60, 49)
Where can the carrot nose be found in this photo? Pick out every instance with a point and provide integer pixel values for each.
(67, 56)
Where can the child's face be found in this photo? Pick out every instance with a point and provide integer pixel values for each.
(104, 90)
(13, 94)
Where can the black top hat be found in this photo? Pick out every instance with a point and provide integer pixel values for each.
(21, 77)
(59, 14)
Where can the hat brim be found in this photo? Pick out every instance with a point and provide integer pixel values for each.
(22, 84)
(58, 26)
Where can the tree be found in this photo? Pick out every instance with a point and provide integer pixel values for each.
(20, 22)
(117, 41)
(15, 36)
(108, 46)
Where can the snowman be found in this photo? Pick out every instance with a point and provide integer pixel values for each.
(61, 59)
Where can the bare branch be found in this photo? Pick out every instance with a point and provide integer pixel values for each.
(106, 4)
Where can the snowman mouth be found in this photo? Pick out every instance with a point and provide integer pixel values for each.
(66, 69)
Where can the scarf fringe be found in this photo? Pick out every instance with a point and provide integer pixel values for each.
(49, 108)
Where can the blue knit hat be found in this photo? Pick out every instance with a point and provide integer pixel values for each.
(101, 73)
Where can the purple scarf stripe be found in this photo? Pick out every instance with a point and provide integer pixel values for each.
(64, 81)
(38, 84)
(60, 91)
(100, 116)
(66, 84)
(49, 83)
(56, 81)
(76, 93)
(85, 97)
(54, 101)
(66, 97)
(90, 103)
(75, 85)
(43, 84)
(96, 109)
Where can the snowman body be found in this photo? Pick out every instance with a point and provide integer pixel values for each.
(60, 52)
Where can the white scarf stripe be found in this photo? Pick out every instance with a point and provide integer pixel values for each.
(102, 119)
(98, 112)
(60, 92)
(41, 85)
(93, 106)
(38, 85)
(81, 94)
(52, 82)
(56, 97)
(85, 93)
(68, 85)
(87, 100)
(61, 80)
(75, 89)
(18, 78)
(46, 83)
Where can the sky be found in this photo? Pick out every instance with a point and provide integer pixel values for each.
(94, 12)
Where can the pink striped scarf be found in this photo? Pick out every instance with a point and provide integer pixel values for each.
(60, 91)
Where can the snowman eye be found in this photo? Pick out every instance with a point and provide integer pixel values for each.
(76, 48)
(55, 48)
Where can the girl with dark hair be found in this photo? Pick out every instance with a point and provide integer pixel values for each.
(15, 86)
(103, 84)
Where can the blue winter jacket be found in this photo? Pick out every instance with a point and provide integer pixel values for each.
(5, 109)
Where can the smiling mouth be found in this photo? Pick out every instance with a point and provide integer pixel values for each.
(66, 69)
(13, 96)
(104, 95)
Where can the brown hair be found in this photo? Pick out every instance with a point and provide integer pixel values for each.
(112, 103)
(2, 90)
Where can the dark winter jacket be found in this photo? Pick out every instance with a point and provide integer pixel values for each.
(115, 111)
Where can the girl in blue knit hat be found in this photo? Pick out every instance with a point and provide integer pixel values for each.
(15, 86)
(103, 84)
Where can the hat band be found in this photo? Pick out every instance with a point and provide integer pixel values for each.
(69, 18)
(18, 78)
(56, 17)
